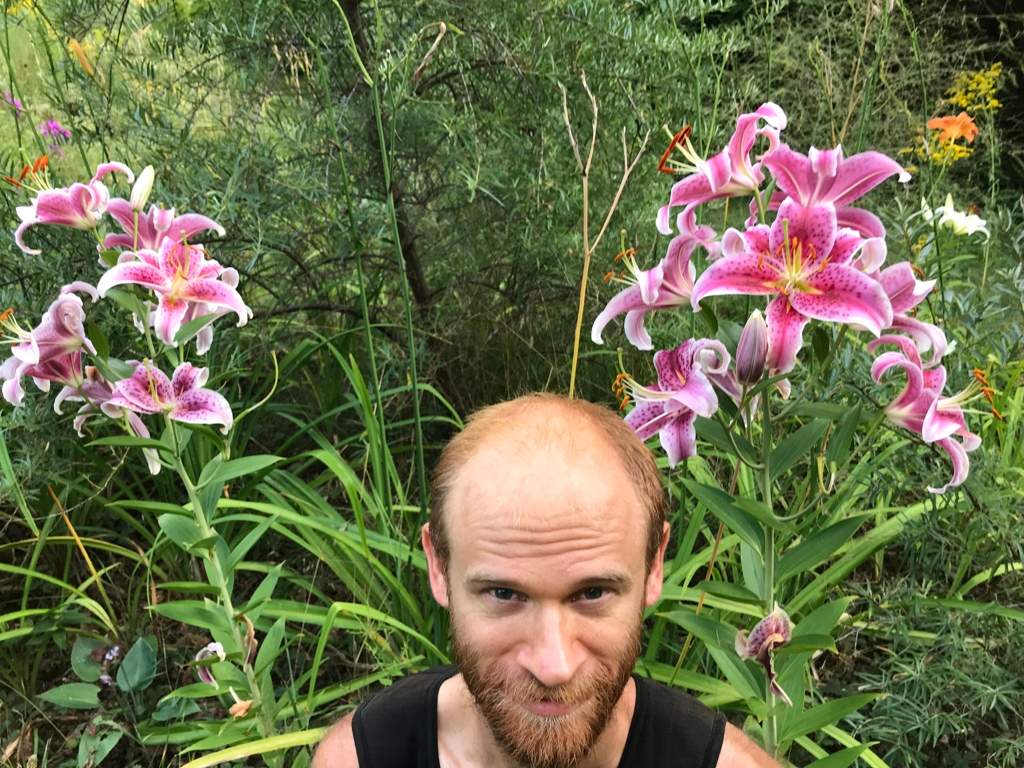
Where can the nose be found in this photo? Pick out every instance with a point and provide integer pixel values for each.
(552, 653)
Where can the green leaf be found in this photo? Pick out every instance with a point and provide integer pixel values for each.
(839, 446)
(174, 709)
(131, 441)
(82, 662)
(829, 713)
(809, 643)
(97, 744)
(95, 335)
(138, 668)
(192, 327)
(720, 640)
(194, 613)
(119, 369)
(711, 431)
(219, 472)
(971, 606)
(73, 696)
(719, 503)
(707, 314)
(242, 548)
(843, 757)
(817, 548)
(269, 648)
(728, 590)
(791, 449)
(180, 529)
(760, 512)
(821, 343)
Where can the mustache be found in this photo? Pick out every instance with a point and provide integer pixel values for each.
(530, 690)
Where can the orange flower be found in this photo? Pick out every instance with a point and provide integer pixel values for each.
(961, 126)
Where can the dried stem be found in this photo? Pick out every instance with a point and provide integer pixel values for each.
(584, 168)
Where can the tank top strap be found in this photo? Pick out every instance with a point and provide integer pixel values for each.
(397, 726)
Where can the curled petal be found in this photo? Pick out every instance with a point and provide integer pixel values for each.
(961, 464)
(104, 168)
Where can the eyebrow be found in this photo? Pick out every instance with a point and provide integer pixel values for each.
(616, 579)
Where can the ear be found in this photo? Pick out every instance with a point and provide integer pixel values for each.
(438, 579)
(652, 591)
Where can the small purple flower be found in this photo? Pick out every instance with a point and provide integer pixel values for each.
(206, 653)
(15, 104)
(106, 679)
(54, 130)
(773, 631)
(112, 654)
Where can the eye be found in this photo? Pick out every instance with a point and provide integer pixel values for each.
(503, 594)
(593, 593)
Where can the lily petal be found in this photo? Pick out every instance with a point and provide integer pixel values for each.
(844, 295)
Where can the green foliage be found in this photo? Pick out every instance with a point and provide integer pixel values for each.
(412, 251)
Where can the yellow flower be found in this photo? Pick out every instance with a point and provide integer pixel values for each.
(975, 91)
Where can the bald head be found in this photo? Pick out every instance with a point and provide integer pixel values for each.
(534, 426)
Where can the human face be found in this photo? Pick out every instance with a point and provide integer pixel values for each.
(546, 584)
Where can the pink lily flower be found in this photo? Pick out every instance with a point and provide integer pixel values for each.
(180, 275)
(730, 172)
(52, 350)
(806, 264)
(78, 206)
(154, 226)
(683, 392)
(181, 397)
(61, 331)
(667, 285)
(905, 292)
(96, 392)
(773, 631)
(204, 337)
(921, 409)
(824, 176)
(66, 370)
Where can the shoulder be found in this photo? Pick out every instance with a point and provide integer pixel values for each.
(338, 749)
(738, 751)
(390, 727)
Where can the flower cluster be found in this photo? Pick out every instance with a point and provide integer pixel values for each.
(56, 133)
(175, 282)
(820, 258)
(976, 91)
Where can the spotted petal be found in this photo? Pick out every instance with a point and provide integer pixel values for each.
(844, 295)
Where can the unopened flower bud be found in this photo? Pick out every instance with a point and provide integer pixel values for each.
(143, 186)
(752, 350)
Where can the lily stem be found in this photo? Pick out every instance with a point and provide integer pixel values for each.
(770, 725)
(220, 581)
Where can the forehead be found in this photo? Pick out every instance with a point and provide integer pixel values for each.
(539, 498)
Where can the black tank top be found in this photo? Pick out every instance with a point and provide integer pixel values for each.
(397, 727)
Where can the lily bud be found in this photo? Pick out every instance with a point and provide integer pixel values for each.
(752, 350)
(140, 191)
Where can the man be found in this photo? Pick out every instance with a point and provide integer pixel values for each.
(545, 543)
